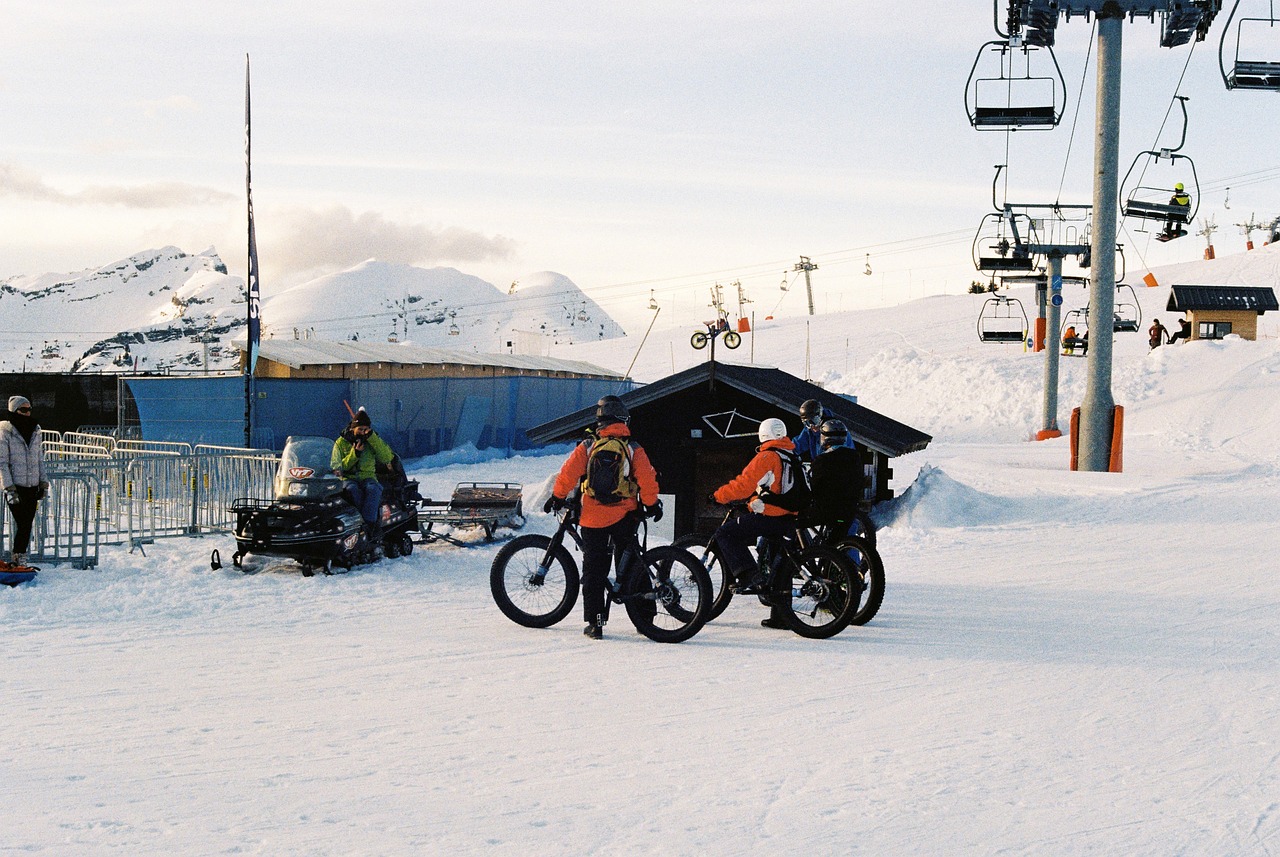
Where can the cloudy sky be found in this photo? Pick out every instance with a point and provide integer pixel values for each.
(661, 145)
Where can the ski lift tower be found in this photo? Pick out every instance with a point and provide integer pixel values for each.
(1037, 21)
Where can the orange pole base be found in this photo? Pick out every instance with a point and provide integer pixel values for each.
(1116, 462)
(1047, 434)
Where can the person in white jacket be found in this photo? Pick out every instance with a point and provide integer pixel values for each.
(22, 473)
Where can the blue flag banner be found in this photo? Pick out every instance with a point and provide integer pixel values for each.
(253, 295)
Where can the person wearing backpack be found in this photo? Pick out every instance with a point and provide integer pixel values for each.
(615, 478)
(774, 484)
(836, 479)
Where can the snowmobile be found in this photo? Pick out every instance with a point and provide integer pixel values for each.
(311, 520)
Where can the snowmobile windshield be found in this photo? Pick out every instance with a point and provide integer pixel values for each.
(304, 467)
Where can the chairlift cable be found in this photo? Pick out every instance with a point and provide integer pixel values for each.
(1155, 146)
(1084, 75)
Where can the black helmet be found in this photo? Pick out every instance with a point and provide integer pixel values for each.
(834, 433)
(611, 410)
(811, 412)
(610, 398)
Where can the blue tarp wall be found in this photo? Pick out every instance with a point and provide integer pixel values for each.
(417, 416)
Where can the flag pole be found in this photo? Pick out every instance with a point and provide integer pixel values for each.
(252, 296)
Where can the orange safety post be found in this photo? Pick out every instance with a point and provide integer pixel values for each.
(1117, 441)
(1040, 333)
(744, 325)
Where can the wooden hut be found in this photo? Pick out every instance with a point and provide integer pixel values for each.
(1218, 311)
(699, 428)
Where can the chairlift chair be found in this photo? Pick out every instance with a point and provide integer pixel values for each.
(994, 252)
(1075, 346)
(1127, 311)
(1002, 319)
(1147, 202)
(1254, 72)
(1008, 96)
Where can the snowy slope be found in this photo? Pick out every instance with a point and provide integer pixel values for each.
(141, 311)
(440, 307)
(168, 310)
(1065, 663)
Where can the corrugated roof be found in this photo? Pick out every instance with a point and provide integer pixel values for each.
(1257, 299)
(784, 391)
(312, 352)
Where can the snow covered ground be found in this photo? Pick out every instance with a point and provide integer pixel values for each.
(1065, 663)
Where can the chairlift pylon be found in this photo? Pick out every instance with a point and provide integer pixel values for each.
(1148, 202)
(1002, 319)
(1252, 72)
(1014, 97)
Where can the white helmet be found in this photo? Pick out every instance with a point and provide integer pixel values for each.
(772, 429)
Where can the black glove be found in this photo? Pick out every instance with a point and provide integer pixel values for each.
(654, 512)
(553, 504)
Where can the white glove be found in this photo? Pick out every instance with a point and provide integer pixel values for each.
(11, 495)
(757, 506)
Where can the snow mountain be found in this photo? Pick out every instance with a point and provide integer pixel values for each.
(149, 311)
(167, 310)
(440, 307)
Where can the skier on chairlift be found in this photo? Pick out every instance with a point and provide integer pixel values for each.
(1182, 200)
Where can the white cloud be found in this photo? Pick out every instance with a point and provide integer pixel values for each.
(25, 184)
(336, 238)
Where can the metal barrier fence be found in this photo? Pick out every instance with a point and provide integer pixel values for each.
(139, 494)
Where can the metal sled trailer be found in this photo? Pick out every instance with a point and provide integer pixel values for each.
(487, 505)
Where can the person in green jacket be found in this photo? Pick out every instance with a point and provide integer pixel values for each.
(356, 455)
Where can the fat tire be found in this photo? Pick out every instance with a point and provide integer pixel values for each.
(533, 606)
(832, 614)
(698, 340)
(732, 339)
(866, 559)
(721, 592)
(668, 595)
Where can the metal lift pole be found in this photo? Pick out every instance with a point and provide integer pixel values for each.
(805, 265)
(1097, 411)
(1053, 346)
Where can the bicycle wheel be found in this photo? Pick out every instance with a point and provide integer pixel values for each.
(527, 593)
(667, 594)
(698, 340)
(732, 340)
(863, 527)
(701, 547)
(820, 602)
(870, 571)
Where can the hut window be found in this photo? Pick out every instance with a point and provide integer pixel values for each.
(1214, 329)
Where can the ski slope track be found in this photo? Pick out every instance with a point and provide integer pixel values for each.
(1065, 663)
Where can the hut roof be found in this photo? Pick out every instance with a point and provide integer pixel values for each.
(771, 386)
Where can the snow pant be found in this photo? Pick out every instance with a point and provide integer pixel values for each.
(366, 494)
(24, 513)
(599, 547)
(736, 535)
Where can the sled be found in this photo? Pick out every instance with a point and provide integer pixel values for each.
(486, 505)
(12, 575)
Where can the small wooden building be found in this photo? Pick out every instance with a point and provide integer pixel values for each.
(1217, 311)
(699, 428)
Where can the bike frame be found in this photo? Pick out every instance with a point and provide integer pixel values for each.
(624, 560)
